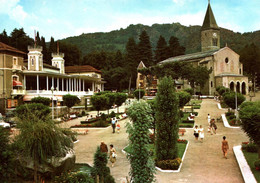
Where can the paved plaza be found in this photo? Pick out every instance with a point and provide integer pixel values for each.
(203, 162)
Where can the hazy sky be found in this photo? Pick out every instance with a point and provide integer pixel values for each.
(64, 18)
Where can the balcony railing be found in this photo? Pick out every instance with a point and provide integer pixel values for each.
(18, 92)
(48, 92)
(17, 67)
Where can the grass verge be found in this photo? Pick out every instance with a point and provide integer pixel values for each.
(251, 158)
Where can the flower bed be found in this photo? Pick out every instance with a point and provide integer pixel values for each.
(231, 118)
(100, 123)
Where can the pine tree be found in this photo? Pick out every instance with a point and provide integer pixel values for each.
(4, 38)
(44, 49)
(167, 116)
(52, 49)
(145, 49)
(118, 59)
(38, 40)
(161, 52)
(175, 48)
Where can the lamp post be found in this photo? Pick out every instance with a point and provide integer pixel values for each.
(250, 84)
(139, 92)
(52, 109)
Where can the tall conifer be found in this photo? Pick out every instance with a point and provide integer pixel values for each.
(145, 49)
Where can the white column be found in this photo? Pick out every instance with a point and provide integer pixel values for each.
(67, 85)
(47, 83)
(75, 89)
(37, 83)
(58, 84)
(83, 85)
(62, 89)
(24, 82)
(93, 89)
(52, 80)
(79, 84)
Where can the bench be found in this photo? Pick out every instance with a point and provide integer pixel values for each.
(182, 131)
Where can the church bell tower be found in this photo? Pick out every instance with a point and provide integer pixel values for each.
(210, 32)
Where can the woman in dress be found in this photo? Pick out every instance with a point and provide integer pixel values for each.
(201, 133)
(196, 132)
(112, 155)
(225, 147)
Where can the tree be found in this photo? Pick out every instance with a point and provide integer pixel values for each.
(70, 100)
(6, 155)
(175, 49)
(100, 168)
(189, 90)
(167, 117)
(42, 100)
(230, 99)
(52, 49)
(111, 100)
(120, 99)
(39, 137)
(184, 98)
(250, 116)
(44, 49)
(99, 102)
(139, 93)
(161, 52)
(142, 166)
(4, 38)
(145, 49)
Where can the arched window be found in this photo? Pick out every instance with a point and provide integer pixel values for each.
(211, 84)
(226, 60)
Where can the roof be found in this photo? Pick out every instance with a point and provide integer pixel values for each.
(189, 57)
(209, 20)
(5, 47)
(80, 69)
(141, 65)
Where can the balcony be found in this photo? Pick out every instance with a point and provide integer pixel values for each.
(18, 92)
(17, 67)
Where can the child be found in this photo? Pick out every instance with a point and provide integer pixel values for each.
(118, 127)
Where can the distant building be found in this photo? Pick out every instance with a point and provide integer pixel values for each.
(227, 70)
(21, 80)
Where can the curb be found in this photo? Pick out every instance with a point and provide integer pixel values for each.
(225, 122)
(76, 141)
(168, 171)
(243, 165)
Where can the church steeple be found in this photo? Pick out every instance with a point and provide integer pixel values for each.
(210, 32)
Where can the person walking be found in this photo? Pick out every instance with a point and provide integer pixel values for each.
(208, 118)
(201, 133)
(103, 147)
(118, 127)
(112, 155)
(113, 122)
(196, 132)
(225, 147)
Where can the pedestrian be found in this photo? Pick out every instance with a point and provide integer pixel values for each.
(196, 132)
(113, 122)
(118, 127)
(213, 126)
(112, 155)
(208, 117)
(103, 147)
(201, 133)
(225, 147)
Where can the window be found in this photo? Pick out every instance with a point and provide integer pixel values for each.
(226, 60)
(215, 41)
(15, 61)
(211, 84)
(32, 61)
(240, 71)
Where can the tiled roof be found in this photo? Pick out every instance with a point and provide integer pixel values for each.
(5, 47)
(209, 20)
(189, 57)
(82, 68)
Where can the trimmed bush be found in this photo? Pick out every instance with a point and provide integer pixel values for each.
(251, 147)
(229, 113)
(42, 100)
(181, 113)
(184, 98)
(230, 99)
(169, 164)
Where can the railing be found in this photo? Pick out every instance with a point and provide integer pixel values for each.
(18, 92)
(49, 92)
(17, 67)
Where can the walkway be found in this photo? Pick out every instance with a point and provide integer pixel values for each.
(203, 162)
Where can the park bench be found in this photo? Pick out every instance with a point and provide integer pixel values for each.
(182, 131)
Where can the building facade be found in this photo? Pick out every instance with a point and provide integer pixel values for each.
(226, 68)
(21, 80)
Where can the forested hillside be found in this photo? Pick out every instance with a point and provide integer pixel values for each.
(189, 37)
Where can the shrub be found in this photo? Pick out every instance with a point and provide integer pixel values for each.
(42, 100)
(169, 164)
(137, 92)
(181, 113)
(112, 114)
(251, 147)
(229, 113)
(79, 115)
(74, 177)
(257, 164)
(196, 107)
(184, 98)
(83, 113)
(195, 113)
(189, 90)
(229, 99)
(232, 116)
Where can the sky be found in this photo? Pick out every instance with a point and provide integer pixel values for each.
(66, 18)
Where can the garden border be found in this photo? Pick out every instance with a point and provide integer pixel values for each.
(225, 122)
(168, 171)
(243, 165)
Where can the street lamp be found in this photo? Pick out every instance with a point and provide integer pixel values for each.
(250, 84)
(52, 111)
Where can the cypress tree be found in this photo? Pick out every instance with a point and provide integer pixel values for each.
(44, 49)
(52, 49)
(175, 48)
(167, 116)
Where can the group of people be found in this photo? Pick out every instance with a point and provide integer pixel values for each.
(115, 125)
(199, 134)
(112, 153)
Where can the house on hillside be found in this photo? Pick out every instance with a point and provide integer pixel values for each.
(226, 68)
(21, 80)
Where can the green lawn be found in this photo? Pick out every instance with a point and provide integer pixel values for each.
(181, 149)
(251, 158)
(186, 125)
(196, 102)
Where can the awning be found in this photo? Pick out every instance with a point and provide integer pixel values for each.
(17, 83)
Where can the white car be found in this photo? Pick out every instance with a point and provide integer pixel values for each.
(4, 124)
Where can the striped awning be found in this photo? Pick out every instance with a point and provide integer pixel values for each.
(17, 83)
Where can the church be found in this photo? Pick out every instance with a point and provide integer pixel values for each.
(226, 68)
